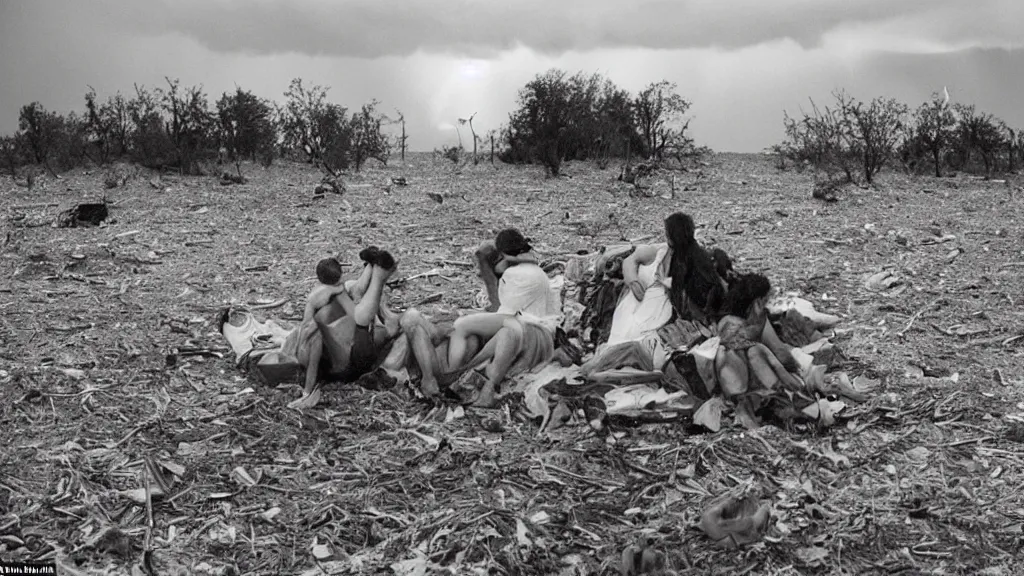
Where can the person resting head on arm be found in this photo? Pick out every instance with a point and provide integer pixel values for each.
(525, 308)
(329, 275)
(749, 344)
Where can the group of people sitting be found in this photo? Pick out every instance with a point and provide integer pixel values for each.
(348, 330)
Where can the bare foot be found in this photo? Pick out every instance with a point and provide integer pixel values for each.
(306, 401)
(370, 254)
(428, 386)
(486, 398)
(386, 262)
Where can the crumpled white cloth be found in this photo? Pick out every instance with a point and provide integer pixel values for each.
(252, 333)
(640, 397)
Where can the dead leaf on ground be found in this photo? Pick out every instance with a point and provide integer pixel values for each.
(709, 415)
(812, 555)
(882, 281)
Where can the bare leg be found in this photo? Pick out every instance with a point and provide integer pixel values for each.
(422, 338)
(507, 343)
(388, 317)
(733, 372)
(362, 283)
(312, 367)
(780, 349)
(485, 256)
(369, 305)
(768, 369)
(484, 326)
(309, 350)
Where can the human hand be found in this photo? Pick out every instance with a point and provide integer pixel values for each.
(323, 295)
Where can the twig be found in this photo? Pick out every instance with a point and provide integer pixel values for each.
(584, 479)
(646, 471)
(275, 304)
(36, 205)
(179, 495)
(967, 441)
(132, 432)
(455, 263)
(916, 316)
(149, 508)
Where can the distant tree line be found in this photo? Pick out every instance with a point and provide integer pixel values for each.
(851, 140)
(587, 117)
(558, 118)
(175, 127)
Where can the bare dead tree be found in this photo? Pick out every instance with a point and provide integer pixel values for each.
(491, 135)
(403, 138)
(464, 121)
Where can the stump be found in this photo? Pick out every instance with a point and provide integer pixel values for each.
(90, 214)
(329, 184)
(227, 179)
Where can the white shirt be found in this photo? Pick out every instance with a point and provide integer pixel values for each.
(524, 289)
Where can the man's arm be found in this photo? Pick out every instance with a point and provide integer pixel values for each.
(530, 256)
(307, 314)
(346, 303)
(487, 259)
(320, 297)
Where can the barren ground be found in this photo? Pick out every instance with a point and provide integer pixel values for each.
(925, 478)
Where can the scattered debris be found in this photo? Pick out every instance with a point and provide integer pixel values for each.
(370, 481)
(227, 179)
(883, 280)
(329, 184)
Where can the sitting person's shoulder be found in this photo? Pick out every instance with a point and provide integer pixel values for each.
(525, 270)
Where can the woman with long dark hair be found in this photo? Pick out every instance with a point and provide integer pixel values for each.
(697, 289)
(674, 278)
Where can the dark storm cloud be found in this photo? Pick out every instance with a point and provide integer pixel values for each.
(992, 80)
(739, 80)
(373, 28)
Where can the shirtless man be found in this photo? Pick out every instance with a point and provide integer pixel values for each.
(345, 316)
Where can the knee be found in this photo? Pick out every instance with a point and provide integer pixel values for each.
(510, 335)
(322, 316)
(487, 256)
(459, 327)
(486, 248)
(410, 319)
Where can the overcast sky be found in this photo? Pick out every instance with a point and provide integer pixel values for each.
(740, 62)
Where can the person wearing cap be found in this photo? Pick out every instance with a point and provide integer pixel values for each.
(523, 290)
(517, 333)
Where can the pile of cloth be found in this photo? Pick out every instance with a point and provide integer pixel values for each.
(623, 385)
